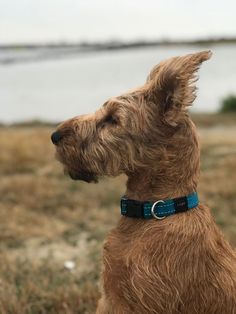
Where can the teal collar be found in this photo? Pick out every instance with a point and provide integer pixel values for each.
(159, 209)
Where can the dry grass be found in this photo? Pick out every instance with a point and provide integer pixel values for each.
(47, 219)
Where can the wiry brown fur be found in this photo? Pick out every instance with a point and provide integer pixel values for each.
(181, 264)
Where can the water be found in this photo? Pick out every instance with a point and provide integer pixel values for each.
(55, 90)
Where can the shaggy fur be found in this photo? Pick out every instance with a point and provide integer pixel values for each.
(181, 264)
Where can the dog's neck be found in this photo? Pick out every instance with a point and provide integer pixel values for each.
(170, 176)
(149, 186)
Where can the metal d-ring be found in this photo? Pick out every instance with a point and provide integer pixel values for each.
(152, 210)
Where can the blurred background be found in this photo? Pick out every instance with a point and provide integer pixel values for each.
(61, 58)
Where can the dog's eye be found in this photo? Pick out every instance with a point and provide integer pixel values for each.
(108, 120)
(111, 119)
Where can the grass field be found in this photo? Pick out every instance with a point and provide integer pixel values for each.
(47, 219)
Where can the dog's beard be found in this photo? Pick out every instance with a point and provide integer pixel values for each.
(76, 174)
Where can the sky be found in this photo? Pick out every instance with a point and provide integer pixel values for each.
(101, 20)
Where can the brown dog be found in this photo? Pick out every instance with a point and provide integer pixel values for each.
(180, 264)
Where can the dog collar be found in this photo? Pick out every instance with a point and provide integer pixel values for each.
(159, 209)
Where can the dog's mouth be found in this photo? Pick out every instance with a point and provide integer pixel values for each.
(83, 176)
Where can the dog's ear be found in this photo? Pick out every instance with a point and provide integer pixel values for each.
(171, 83)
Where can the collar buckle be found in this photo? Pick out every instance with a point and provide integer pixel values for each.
(154, 215)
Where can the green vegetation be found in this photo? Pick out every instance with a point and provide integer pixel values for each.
(229, 104)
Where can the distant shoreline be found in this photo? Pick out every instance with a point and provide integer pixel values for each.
(29, 52)
(120, 44)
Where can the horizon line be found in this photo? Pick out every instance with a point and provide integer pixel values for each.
(116, 41)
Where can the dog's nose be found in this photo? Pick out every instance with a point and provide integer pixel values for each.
(56, 137)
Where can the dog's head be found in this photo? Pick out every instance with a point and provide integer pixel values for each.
(148, 127)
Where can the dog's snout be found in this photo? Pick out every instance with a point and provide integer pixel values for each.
(56, 137)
